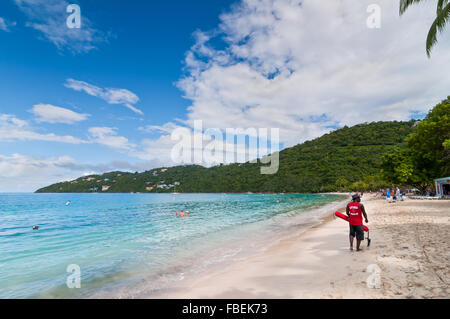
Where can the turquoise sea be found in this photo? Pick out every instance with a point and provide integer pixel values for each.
(130, 245)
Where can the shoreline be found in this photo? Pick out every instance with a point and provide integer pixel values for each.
(410, 245)
(254, 244)
(172, 193)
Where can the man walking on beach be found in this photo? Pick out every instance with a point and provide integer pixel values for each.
(354, 211)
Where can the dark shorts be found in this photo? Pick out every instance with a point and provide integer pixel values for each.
(357, 231)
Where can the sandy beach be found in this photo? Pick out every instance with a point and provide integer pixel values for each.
(410, 247)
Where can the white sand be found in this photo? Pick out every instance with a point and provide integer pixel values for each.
(410, 244)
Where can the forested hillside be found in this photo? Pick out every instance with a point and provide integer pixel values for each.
(349, 157)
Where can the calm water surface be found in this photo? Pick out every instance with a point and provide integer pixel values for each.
(129, 244)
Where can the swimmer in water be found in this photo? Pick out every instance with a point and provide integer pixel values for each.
(187, 213)
(182, 213)
(176, 213)
(35, 227)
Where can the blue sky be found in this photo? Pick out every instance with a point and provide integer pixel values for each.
(144, 54)
(109, 95)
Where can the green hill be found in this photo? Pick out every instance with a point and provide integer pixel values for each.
(345, 158)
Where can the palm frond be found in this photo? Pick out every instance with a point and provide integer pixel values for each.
(443, 18)
(440, 5)
(405, 4)
(438, 25)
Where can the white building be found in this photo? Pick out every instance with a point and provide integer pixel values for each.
(442, 187)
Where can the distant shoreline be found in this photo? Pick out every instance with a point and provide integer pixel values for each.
(240, 193)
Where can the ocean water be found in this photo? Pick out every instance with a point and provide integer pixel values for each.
(130, 245)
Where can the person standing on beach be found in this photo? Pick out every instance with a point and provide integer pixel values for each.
(354, 211)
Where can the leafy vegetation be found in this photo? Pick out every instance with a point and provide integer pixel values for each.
(348, 158)
(427, 155)
(442, 18)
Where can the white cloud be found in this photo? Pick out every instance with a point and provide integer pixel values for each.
(55, 114)
(20, 173)
(166, 128)
(110, 95)
(4, 25)
(13, 129)
(108, 136)
(49, 17)
(305, 66)
(203, 147)
(157, 150)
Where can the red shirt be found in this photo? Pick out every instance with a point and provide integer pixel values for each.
(355, 214)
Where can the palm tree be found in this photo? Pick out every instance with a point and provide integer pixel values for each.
(442, 17)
